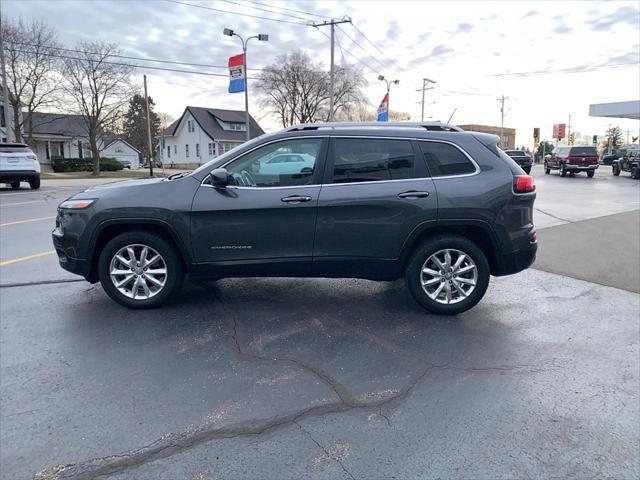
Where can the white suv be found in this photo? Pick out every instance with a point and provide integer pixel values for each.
(19, 164)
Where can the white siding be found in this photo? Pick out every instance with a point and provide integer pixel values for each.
(121, 151)
(183, 137)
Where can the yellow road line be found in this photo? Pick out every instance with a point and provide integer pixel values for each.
(26, 221)
(28, 257)
(20, 203)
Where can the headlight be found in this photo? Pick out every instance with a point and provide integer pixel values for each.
(76, 204)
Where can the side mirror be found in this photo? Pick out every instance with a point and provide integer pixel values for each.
(220, 177)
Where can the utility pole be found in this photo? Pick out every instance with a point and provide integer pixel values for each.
(333, 24)
(146, 103)
(502, 100)
(425, 87)
(569, 130)
(5, 91)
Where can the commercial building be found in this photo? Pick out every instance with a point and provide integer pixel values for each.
(509, 134)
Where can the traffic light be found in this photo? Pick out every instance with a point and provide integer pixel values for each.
(536, 134)
(572, 137)
(594, 140)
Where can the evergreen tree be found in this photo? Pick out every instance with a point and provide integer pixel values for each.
(135, 125)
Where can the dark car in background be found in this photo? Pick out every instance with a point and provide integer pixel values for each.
(441, 207)
(522, 158)
(572, 159)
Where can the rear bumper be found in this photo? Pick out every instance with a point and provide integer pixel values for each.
(579, 168)
(514, 262)
(18, 175)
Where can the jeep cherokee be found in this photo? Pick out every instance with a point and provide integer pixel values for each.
(441, 207)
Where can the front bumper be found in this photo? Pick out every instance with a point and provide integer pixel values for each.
(67, 255)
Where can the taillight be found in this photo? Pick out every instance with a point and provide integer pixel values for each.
(523, 184)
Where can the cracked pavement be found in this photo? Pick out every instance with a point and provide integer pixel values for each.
(321, 378)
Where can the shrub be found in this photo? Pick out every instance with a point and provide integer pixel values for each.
(110, 165)
(84, 164)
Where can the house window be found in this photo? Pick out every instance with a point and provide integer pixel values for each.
(80, 149)
(210, 149)
(198, 150)
(48, 152)
(2, 116)
(168, 151)
(175, 149)
(186, 150)
(191, 126)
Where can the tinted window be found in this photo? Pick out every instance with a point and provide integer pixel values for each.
(445, 159)
(285, 163)
(584, 151)
(515, 153)
(370, 160)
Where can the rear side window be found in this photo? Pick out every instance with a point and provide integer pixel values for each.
(371, 160)
(444, 159)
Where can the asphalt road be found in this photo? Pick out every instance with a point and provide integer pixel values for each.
(318, 378)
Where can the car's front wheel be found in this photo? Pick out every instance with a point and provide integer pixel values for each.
(15, 185)
(140, 269)
(448, 274)
(563, 170)
(615, 169)
(547, 170)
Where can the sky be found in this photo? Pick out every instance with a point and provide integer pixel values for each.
(475, 51)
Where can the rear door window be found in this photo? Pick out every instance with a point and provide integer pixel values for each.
(584, 151)
(444, 159)
(372, 160)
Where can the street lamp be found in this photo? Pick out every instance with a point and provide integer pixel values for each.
(262, 37)
(381, 77)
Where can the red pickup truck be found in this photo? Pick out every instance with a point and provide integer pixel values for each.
(574, 159)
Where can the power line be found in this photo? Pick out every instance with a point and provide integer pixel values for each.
(235, 13)
(376, 47)
(373, 70)
(564, 70)
(127, 57)
(291, 10)
(264, 10)
(361, 48)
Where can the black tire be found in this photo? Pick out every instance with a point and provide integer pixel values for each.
(547, 170)
(563, 170)
(615, 168)
(174, 268)
(15, 185)
(34, 183)
(527, 170)
(413, 273)
(635, 172)
(591, 173)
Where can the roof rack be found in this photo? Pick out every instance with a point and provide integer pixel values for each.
(431, 126)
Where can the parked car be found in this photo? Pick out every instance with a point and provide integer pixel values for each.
(630, 162)
(441, 207)
(289, 163)
(572, 159)
(19, 164)
(126, 163)
(521, 158)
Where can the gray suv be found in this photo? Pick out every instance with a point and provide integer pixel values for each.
(441, 207)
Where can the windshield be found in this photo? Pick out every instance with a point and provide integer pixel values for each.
(207, 167)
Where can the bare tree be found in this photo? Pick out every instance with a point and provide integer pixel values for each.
(33, 71)
(296, 90)
(100, 89)
(165, 120)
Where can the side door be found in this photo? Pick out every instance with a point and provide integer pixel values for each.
(375, 193)
(264, 221)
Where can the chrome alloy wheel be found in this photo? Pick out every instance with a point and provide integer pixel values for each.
(449, 276)
(138, 271)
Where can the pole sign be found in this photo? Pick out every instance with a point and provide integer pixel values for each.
(236, 73)
(559, 130)
(383, 109)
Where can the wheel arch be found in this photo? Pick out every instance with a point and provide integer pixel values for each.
(477, 231)
(112, 228)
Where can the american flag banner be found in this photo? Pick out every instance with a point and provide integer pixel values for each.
(236, 73)
(383, 109)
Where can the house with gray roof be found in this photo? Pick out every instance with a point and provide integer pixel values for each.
(202, 134)
(59, 135)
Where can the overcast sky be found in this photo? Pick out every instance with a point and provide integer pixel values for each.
(469, 48)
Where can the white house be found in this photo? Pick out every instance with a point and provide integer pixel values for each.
(202, 134)
(123, 151)
(59, 135)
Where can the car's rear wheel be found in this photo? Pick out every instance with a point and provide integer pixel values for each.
(635, 172)
(34, 183)
(615, 168)
(591, 173)
(448, 274)
(527, 170)
(15, 185)
(139, 269)
(563, 170)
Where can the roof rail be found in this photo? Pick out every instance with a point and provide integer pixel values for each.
(431, 126)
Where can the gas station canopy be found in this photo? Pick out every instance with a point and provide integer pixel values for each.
(629, 109)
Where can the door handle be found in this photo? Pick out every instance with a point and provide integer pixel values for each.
(413, 194)
(296, 199)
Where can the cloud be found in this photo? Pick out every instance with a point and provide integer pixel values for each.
(438, 51)
(464, 28)
(626, 14)
(530, 13)
(423, 36)
(562, 29)
(393, 31)
(632, 56)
